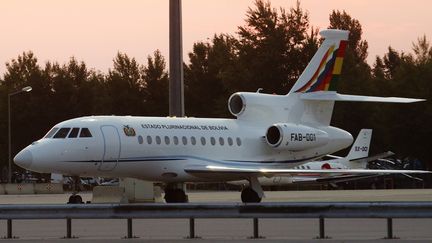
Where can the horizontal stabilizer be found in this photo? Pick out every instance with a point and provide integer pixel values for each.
(331, 156)
(333, 96)
(375, 157)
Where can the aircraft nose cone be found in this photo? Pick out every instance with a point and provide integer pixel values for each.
(24, 159)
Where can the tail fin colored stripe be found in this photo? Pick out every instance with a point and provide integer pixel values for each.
(317, 72)
(326, 76)
(337, 66)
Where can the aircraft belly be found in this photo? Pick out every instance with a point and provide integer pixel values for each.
(161, 170)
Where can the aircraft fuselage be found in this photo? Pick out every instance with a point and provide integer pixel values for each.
(158, 149)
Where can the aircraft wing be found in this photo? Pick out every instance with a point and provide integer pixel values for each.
(332, 179)
(262, 171)
(342, 97)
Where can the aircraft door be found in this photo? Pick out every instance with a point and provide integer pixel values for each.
(112, 148)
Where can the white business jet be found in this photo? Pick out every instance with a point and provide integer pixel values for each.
(357, 158)
(270, 136)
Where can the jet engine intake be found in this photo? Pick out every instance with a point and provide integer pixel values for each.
(236, 104)
(285, 136)
(257, 106)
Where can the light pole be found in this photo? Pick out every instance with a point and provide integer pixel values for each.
(25, 89)
(176, 89)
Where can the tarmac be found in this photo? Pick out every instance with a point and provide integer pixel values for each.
(232, 230)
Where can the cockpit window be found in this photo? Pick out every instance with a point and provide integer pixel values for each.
(85, 133)
(62, 133)
(51, 132)
(74, 132)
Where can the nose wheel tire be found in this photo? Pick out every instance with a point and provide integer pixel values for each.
(75, 199)
(248, 195)
(175, 196)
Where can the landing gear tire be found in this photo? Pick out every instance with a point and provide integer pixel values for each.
(75, 199)
(175, 196)
(76, 185)
(248, 195)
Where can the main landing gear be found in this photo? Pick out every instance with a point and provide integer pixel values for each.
(253, 193)
(175, 193)
(248, 195)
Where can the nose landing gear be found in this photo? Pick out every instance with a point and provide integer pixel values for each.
(76, 185)
(75, 199)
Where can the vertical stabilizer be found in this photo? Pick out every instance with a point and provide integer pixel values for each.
(359, 150)
(360, 147)
(322, 72)
(320, 76)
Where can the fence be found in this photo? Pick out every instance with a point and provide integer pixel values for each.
(192, 211)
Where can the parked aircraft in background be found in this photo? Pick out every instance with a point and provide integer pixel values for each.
(271, 135)
(357, 158)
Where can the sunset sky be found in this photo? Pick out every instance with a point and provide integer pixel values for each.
(95, 30)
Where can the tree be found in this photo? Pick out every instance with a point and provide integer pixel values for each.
(156, 81)
(271, 46)
(124, 86)
(410, 78)
(211, 65)
(271, 51)
(72, 89)
(422, 51)
(28, 111)
(392, 61)
(378, 71)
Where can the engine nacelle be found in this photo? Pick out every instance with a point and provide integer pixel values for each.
(285, 136)
(237, 104)
(257, 106)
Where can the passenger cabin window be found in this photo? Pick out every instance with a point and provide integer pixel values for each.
(239, 143)
(184, 140)
(167, 140)
(140, 139)
(203, 141)
(51, 132)
(230, 141)
(85, 133)
(62, 133)
(212, 141)
(74, 132)
(158, 140)
(193, 140)
(149, 139)
(221, 141)
(175, 138)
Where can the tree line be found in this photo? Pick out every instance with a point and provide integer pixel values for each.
(269, 51)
